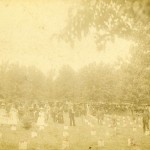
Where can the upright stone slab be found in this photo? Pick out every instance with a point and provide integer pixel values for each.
(33, 134)
(65, 144)
(101, 143)
(23, 145)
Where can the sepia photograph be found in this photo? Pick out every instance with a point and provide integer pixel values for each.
(74, 74)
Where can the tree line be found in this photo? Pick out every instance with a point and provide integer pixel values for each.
(123, 82)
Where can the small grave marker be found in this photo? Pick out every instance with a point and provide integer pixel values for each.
(93, 132)
(23, 145)
(65, 134)
(33, 134)
(101, 143)
(65, 144)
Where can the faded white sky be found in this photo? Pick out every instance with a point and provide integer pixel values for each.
(25, 37)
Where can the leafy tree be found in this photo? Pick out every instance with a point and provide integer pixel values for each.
(106, 19)
(65, 84)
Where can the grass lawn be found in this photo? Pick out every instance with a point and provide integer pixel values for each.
(80, 137)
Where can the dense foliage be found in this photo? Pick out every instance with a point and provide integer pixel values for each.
(106, 19)
(99, 83)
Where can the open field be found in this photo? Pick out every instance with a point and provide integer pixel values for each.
(80, 137)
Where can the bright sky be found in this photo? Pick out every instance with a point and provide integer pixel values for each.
(25, 37)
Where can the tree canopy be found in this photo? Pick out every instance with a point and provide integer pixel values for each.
(127, 81)
(107, 19)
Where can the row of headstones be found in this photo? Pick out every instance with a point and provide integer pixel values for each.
(121, 118)
(124, 119)
(131, 141)
(100, 142)
(34, 134)
(23, 145)
(65, 142)
(126, 122)
(129, 121)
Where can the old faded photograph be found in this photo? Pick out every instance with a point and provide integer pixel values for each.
(74, 74)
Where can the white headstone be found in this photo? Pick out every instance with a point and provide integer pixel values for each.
(91, 125)
(65, 134)
(134, 129)
(107, 133)
(23, 145)
(108, 119)
(101, 143)
(109, 125)
(129, 142)
(93, 132)
(85, 121)
(65, 127)
(115, 129)
(33, 134)
(13, 128)
(103, 123)
(41, 127)
(131, 123)
(147, 133)
(139, 119)
(118, 123)
(0, 135)
(65, 145)
(140, 126)
(46, 125)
